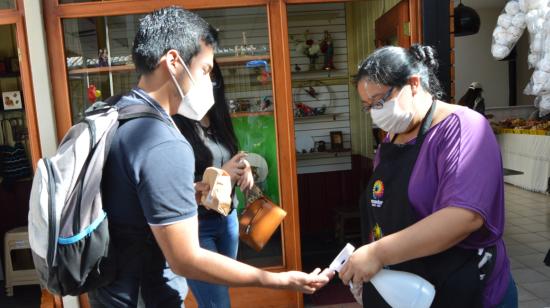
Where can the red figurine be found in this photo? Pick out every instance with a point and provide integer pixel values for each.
(91, 94)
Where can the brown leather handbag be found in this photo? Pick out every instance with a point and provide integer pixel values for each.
(259, 220)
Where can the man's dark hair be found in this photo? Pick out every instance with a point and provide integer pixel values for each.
(166, 29)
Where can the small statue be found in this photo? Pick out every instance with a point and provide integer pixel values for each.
(103, 58)
(265, 104)
(328, 50)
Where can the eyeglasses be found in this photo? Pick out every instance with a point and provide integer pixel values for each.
(379, 103)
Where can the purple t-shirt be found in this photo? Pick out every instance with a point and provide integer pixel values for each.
(460, 165)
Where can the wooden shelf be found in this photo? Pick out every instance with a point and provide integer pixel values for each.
(240, 59)
(102, 69)
(318, 117)
(320, 155)
(250, 114)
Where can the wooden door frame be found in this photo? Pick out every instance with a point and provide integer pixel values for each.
(17, 17)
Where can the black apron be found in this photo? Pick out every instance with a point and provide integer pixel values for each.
(386, 208)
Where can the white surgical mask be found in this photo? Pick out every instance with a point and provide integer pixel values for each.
(391, 117)
(198, 100)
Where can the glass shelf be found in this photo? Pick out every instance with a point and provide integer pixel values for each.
(131, 67)
(102, 69)
(320, 155)
(222, 60)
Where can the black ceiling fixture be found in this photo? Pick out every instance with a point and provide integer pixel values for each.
(467, 20)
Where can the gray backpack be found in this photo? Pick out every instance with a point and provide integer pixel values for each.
(68, 228)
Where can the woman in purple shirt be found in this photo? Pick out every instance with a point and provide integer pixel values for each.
(435, 203)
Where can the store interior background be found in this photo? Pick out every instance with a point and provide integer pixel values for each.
(474, 62)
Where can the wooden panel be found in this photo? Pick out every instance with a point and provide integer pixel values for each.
(282, 94)
(315, 1)
(415, 7)
(343, 189)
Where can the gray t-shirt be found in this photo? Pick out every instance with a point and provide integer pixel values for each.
(220, 154)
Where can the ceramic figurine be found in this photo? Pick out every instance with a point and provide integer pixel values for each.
(328, 50)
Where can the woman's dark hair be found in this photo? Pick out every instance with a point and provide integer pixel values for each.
(166, 29)
(393, 66)
(221, 127)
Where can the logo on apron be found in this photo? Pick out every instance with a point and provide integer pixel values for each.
(375, 234)
(377, 194)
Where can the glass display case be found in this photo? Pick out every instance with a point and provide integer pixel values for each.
(99, 65)
(7, 4)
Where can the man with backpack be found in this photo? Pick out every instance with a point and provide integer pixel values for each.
(147, 188)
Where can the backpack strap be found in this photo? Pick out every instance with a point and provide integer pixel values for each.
(139, 111)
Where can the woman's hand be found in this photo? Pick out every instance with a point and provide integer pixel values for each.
(361, 266)
(247, 179)
(235, 167)
(305, 283)
(239, 170)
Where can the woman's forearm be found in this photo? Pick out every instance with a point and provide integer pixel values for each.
(433, 234)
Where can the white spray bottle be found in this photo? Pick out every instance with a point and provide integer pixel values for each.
(399, 289)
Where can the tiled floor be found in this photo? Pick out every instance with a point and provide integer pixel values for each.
(527, 237)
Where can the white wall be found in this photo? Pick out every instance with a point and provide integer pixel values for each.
(474, 62)
(43, 96)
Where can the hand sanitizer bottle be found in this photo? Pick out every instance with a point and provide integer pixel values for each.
(401, 289)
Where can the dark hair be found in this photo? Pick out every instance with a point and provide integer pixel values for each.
(166, 29)
(221, 127)
(393, 66)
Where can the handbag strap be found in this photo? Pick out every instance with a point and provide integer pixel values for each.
(253, 194)
(251, 222)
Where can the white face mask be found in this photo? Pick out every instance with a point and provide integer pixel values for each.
(198, 100)
(391, 117)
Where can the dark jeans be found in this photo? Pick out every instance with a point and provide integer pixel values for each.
(510, 299)
(219, 234)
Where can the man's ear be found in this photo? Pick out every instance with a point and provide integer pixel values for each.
(414, 82)
(170, 60)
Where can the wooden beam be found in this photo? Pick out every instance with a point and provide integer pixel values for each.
(58, 70)
(114, 7)
(286, 155)
(28, 89)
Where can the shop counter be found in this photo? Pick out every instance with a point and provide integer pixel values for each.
(529, 154)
